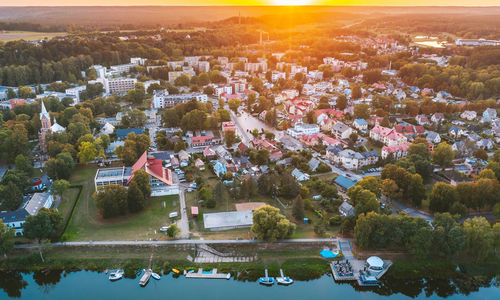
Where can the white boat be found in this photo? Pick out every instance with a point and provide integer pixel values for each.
(116, 275)
(266, 280)
(155, 276)
(283, 280)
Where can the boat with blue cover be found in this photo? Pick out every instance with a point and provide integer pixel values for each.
(266, 280)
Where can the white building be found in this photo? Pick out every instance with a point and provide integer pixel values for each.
(161, 98)
(119, 85)
(300, 129)
(75, 92)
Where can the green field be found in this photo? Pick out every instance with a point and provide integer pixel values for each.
(7, 36)
(87, 225)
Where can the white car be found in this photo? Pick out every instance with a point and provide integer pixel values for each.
(164, 229)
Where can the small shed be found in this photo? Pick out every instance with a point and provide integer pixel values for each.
(194, 211)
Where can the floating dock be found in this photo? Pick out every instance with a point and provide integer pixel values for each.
(145, 278)
(208, 274)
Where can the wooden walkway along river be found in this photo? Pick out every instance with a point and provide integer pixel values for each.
(208, 275)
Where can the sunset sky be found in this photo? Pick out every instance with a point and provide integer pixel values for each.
(251, 2)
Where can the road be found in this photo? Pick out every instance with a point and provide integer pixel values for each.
(183, 223)
(246, 123)
(175, 242)
(398, 207)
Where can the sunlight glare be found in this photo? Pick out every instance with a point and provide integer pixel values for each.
(291, 2)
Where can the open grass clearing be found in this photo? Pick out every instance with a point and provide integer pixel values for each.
(8, 36)
(87, 224)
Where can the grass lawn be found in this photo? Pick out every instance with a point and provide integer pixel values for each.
(87, 224)
(28, 35)
(67, 203)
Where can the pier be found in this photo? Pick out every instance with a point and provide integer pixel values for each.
(351, 269)
(208, 274)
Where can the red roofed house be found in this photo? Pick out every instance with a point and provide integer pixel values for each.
(397, 151)
(161, 179)
(387, 136)
(204, 141)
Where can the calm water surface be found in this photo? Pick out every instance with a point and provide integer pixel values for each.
(94, 285)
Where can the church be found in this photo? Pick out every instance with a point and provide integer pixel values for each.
(47, 128)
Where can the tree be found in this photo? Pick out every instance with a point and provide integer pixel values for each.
(23, 164)
(442, 197)
(329, 191)
(173, 230)
(59, 187)
(6, 238)
(46, 224)
(289, 186)
(416, 190)
(481, 154)
(341, 102)
(87, 152)
(421, 243)
(356, 92)
(61, 166)
(205, 194)
(111, 200)
(134, 118)
(372, 76)
(141, 177)
(361, 111)
(269, 225)
(229, 137)
(443, 155)
(298, 208)
(479, 237)
(234, 104)
(135, 198)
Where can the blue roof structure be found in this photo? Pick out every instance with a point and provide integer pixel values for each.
(344, 182)
(361, 121)
(122, 133)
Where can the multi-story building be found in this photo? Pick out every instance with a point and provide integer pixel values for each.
(161, 98)
(187, 71)
(75, 92)
(119, 85)
(258, 67)
(204, 141)
(160, 178)
(303, 129)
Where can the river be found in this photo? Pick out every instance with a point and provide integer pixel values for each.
(94, 285)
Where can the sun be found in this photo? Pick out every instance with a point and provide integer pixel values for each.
(292, 2)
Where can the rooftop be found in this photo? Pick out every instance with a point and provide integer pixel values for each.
(227, 220)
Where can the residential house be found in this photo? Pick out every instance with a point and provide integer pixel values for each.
(422, 120)
(199, 164)
(209, 153)
(204, 141)
(299, 175)
(300, 129)
(437, 118)
(433, 137)
(222, 153)
(341, 130)
(455, 132)
(220, 168)
(468, 115)
(346, 209)
(387, 136)
(313, 164)
(397, 151)
(489, 115)
(360, 124)
(486, 144)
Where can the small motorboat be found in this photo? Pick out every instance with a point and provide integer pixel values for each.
(266, 280)
(283, 280)
(176, 271)
(116, 275)
(155, 276)
(106, 271)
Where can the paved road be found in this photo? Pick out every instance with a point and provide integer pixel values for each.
(176, 242)
(183, 222)
(248, 122)
(398, 206)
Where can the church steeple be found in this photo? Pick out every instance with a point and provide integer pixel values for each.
(44, 117)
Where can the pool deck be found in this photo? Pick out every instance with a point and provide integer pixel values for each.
(212, 275)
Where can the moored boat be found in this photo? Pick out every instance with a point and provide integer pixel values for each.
(155, 276)
(284, 280)
(266, 280)
(116, 275)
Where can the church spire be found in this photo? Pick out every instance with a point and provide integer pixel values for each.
(44, 112)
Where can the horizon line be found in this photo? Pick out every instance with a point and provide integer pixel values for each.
(262, 5)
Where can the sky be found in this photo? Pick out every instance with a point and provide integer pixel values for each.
(250, 2)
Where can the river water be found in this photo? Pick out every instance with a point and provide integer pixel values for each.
(94, 285)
